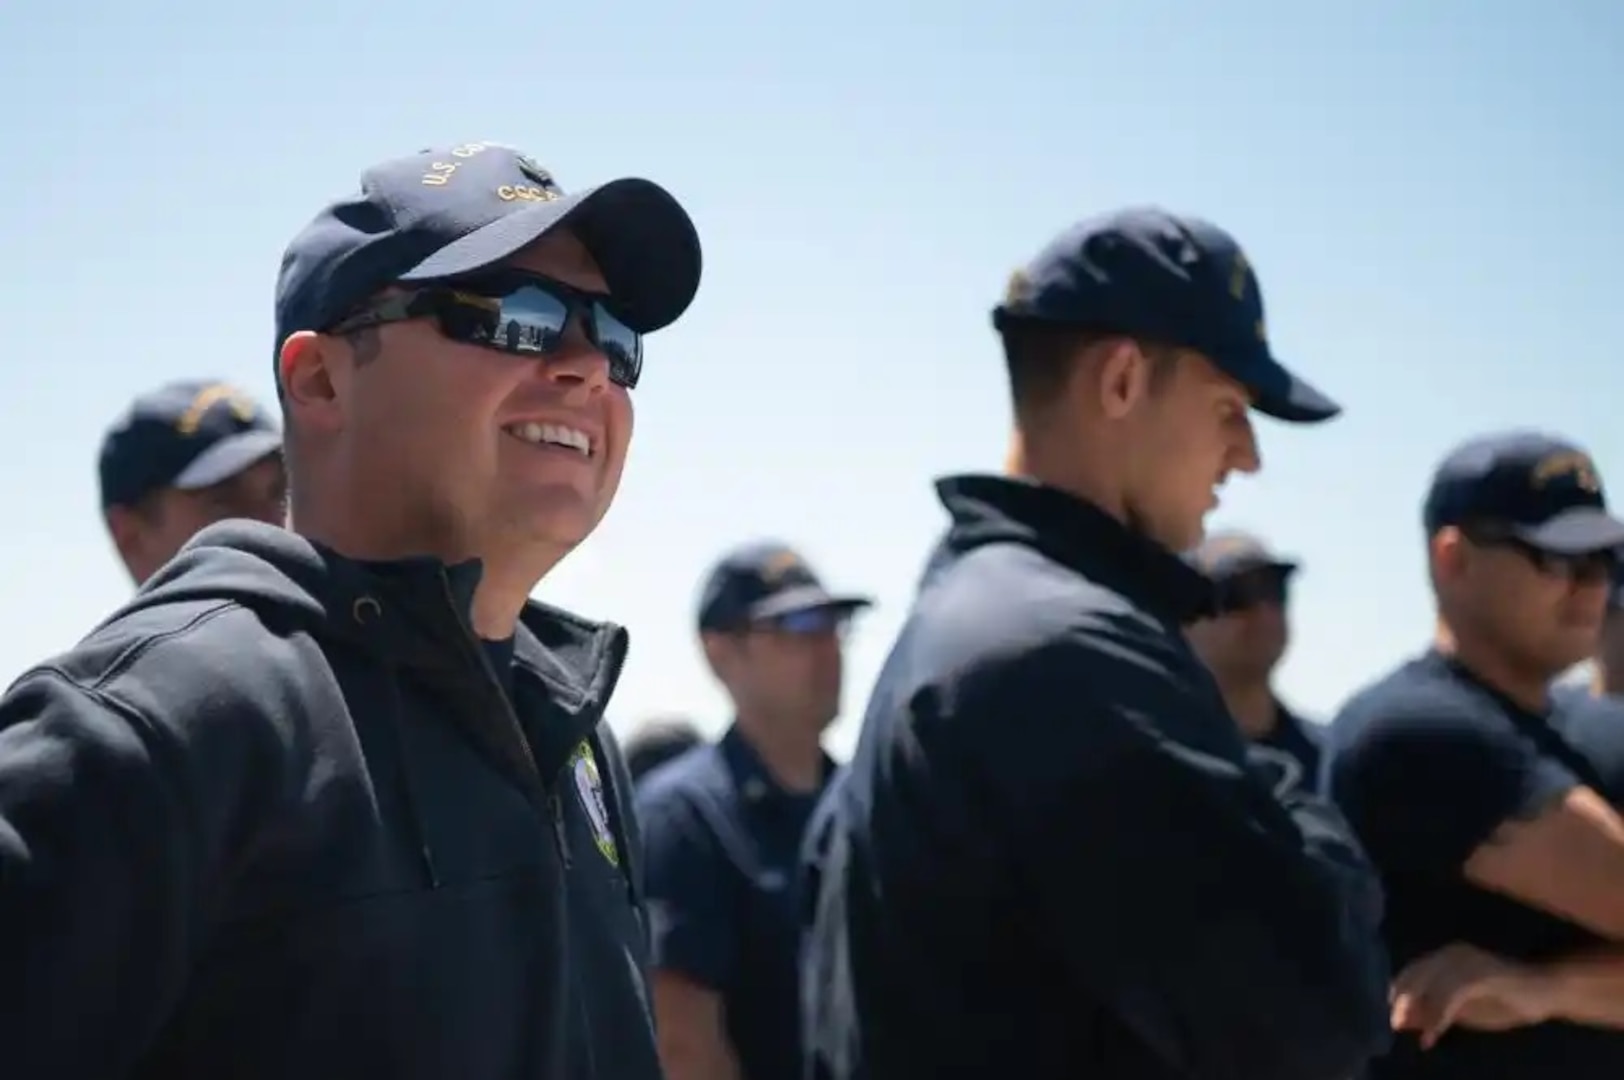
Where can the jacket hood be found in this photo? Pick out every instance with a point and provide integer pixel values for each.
(409, 611)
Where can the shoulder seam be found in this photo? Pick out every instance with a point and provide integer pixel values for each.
(97, 687)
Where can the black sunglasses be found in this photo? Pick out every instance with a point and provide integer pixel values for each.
(1587, 566)
(1253, 588)
(513, 312)
(811, 622)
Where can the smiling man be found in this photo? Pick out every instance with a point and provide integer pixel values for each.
(339, 800)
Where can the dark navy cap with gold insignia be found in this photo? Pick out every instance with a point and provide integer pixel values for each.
(1169, 278)
(186, 435)
(764, 581)
(456, 210)
(1537, 488)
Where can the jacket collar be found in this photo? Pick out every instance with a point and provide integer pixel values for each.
(996, 509)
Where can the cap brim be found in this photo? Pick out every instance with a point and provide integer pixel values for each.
(1292, 399)
(807, 598)
(639, 235)
(1580, 531)
(1234, 568)
(226, 459)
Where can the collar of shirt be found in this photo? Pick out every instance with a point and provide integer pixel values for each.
(755, 781)
(1078, 534)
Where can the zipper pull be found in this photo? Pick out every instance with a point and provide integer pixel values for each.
(560, 833)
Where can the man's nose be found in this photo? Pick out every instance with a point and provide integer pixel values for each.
(1248, 458)
(577, 363)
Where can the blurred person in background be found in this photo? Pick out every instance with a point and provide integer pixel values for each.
(182, 457)
(658, 740)
(1497, 834)
(723, 826)
(1245, 639)
(339, 799)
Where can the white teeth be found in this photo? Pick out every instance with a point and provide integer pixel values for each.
(554, 434)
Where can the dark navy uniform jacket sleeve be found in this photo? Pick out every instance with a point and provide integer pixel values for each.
(1426, 777)
(686, 877)
(111, 830)
(1233, 926)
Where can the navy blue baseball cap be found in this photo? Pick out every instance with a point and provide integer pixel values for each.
(762, 581)
(1536, 488)
(1225, 555)
(450, 211)
(1169, 278)
(185, 435)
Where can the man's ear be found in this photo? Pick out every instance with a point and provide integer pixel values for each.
(719, 651)
(1121, 372)
(124, 526)
(311, 377)
(1449, 553)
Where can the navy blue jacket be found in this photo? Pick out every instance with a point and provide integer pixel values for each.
(1053, 854)
(277, 818)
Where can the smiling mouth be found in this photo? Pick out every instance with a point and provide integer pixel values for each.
(562, 436)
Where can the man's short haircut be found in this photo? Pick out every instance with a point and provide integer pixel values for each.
(1041, 356)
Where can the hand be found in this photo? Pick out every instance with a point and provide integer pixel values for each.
(1462, 985)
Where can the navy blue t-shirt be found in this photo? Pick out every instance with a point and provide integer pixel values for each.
(1427, 764)
(722, 842)
(1299, 740)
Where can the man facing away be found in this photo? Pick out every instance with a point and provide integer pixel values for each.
(657, 740)
(1053, 854)
(182, 457)
(338, 801)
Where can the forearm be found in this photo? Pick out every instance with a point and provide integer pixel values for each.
(695, 1059)
(1587, 987)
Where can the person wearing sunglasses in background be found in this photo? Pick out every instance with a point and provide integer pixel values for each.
(1244, 641)
(1500, 849)
(338, 801)
(723, 825)
(182, 457)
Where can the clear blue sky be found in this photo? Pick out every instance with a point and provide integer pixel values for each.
(1433, 194)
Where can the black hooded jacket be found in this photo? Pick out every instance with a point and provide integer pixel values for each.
(277, 817)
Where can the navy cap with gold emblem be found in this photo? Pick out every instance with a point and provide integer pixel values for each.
(456, 210)
(1170, 278)
(762, 581)
(187, 435)
(1540, 489)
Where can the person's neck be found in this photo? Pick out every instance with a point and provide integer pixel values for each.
(505, 582)
(1032, 456)
(1606, 680)
(499, 599)
(1253, 705)
(792, 756)
(1529, 690)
